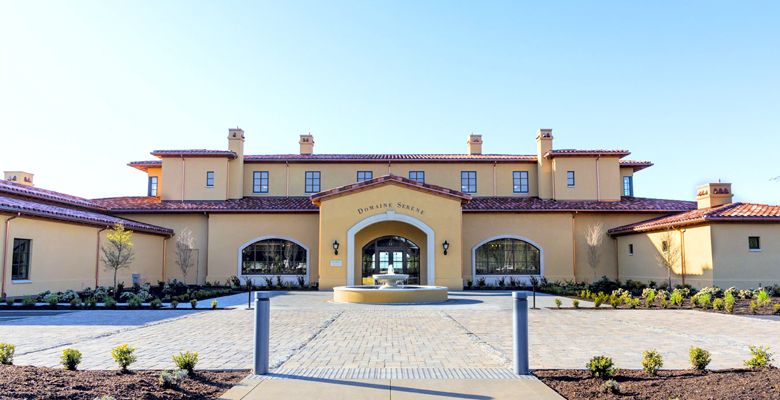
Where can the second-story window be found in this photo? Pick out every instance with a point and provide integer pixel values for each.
(260, 182)
(210, 179)
(364, 175)
(468, 181)
(628, 186)
(570, 178)
(151, 190)
(520, 181)
(312, 182)
(417, 176)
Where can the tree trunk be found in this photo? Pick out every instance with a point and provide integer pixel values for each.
(115, 293)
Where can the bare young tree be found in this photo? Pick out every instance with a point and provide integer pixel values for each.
(594, 237)
(669, 254)
(118, 253)
(185, 246)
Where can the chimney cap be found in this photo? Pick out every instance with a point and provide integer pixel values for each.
(544, 133)
(235, 133)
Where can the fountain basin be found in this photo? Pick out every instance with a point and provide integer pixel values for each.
(401, 294)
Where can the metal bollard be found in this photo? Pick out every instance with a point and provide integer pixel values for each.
(520, 333)
(262, 331)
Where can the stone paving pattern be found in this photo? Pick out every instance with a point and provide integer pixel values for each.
(309, 333)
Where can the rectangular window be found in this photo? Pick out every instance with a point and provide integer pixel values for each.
(210, 179)
(570, 178)
(630, 249)
(418, 176)
(664, 246)
(312, 181)
(152, 188)
(20, 263)
(754, 243)
(628, 186)
(260, 182)
(364, 175)
(468, 181)
(520, 181)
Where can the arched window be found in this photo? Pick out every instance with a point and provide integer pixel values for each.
(273, 257)
(507, 256)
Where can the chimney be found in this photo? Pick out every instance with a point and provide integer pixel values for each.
(544, 143)
(20, 177)
(713, 195)
(307, 144)
(475, 144)
(236, 165)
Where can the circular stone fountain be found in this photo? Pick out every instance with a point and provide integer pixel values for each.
(391, 290)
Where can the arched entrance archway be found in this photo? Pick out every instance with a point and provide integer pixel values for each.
(398, 251)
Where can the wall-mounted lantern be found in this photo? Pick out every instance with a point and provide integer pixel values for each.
(445, 246)
(336, 247)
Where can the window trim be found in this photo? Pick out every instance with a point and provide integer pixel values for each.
(758, 241)
(476, 185)
(210, 176)
(571, 177)
(520, 182)
(25, 279)
(630, 180)
(156, 180)
(357, 176)
(421, 172)
(260, 185)
(474, 274)
(306, 183)
(240, 260)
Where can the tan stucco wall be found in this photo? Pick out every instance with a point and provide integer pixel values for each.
(644, 264)
(736, 265)
(193, 173)
(586, 178)
(228, 232)
(390, 228)
(198, 225)
(63, 257)
(339, 214)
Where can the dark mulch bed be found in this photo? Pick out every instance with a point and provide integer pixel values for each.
(23, 382)
(736, 384)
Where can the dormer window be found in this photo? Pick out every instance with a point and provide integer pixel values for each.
(210, 179)
(152, 187)
(570, 178)
(628, 186)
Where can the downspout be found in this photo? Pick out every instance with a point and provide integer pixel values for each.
(227, 180)
(97, 258)
(494, 178)
(552, 175)
(682, 255)
(389, 170)
(573, 247)
(183, 178)
(164, 258)
(598, 180)
(617, 259)
(286, 178)
(5, 249)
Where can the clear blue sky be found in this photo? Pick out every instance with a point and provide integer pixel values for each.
(693, 86)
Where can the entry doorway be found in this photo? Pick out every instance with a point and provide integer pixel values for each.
(398, 251)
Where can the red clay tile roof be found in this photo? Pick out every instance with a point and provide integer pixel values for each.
(32, 208)
(265, 204)
(535, 204)
(17, 189)
(636, 164)
(586, 153)
(385, 179)
(368, 158)
(194, 153)
(734, 212)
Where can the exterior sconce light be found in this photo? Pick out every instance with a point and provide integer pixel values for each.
(336, 247)
(445, 246)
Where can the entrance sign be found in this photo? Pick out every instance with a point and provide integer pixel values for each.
(335, 263)
(391, 206)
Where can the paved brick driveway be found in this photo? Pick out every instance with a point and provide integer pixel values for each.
(470, 333)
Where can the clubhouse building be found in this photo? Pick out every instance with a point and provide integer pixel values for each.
(337, 219)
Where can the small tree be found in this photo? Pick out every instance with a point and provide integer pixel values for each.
(185, 245)
(594, 237)
(118, 253)
(669, 254)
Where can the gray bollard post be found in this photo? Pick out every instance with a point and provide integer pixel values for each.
(262, 331)
(520, 333)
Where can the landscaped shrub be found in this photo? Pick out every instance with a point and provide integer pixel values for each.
(171, 379)
(75, 303)
(610, 386)
(70, 359)
(753, 305)
(700, 358)
(745, 294)
(52, 299)
(9, 302)
(652, 361)
(776, 308)
(186, 361)
(728, 301)
(174, 303)
(599, 299)
(614, 301)
(134, 302)
(557, 302)
(214, 304)
(649, 295)
(761, 357)
(193, 303)
(634, 303)
(28, 301)
(704, 300)
(762, 297)
(109, 302)
(676, 298)
(601, 367)
(575, 303)
(123, 355)
(91, 302)
(156, 303)
(7, 353)
(717, 304)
